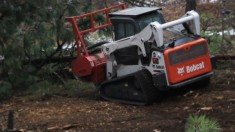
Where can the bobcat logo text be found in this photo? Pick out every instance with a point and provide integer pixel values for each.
(190, 69)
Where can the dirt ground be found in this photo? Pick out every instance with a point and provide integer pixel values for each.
(88, 114)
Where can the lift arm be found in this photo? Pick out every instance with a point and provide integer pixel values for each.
(154, 29)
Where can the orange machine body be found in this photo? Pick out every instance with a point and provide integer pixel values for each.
(187, 61)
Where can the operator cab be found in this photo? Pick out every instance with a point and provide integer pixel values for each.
(132, 20)
(129, 22)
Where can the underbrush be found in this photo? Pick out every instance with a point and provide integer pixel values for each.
(5, 90)
(48, 82)
(70, 88)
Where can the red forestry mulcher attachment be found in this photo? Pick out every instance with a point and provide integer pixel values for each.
(91, 66)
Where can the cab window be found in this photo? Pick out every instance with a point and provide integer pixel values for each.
(124, 30)
(144, 20)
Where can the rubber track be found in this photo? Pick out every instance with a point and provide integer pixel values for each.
(147, 86)
(144, 80)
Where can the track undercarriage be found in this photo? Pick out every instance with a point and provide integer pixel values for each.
(136, 89)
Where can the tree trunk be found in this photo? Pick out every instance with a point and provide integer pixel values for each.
(190, 5)
(105, 3)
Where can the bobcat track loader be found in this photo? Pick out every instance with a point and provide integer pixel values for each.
(148, 55)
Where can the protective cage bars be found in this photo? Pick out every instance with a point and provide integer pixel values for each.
(78, 34)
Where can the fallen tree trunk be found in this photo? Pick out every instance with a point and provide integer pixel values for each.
(225, 57)
(48, 61)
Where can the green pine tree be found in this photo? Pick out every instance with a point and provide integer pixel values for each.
(32, 30)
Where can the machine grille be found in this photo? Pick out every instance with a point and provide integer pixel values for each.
(186, 54)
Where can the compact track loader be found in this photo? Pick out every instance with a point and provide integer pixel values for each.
(147, 55)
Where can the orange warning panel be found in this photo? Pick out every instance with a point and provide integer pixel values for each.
(187, 61)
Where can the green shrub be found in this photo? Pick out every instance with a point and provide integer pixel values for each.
(214, 41)
(215, 44)
(200, 123)
(5, 90)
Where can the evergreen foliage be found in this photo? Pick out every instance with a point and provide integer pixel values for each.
(201, 123)
(30, 30)
(32, 33)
